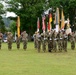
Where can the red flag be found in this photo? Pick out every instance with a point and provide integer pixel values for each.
(48, 26)
(43, 23)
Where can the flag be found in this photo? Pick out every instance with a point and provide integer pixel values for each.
(68, 24)
(18, 26)
(49, 23)
(50, 18)
(62, 20)
(38, 25)
(57, 19)
(43, 23)
(57, 16)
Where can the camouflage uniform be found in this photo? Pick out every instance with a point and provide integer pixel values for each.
(18, 42)
(9, 40)
(38, 42)
(44, 41)
(24, 36)
(72, 39)
(54, 41)
(1, 37)
(35, 40)
(60, 40)
(75, 36)
(65, 39)
(50, 42)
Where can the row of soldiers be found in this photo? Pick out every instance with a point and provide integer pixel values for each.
(23, 37)
(53, 40)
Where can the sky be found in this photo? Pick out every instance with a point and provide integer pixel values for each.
(8, 14)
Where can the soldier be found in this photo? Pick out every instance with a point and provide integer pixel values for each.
(24, 36)
(54, 40)
(18, 41)
(72, 40)
(38, 42)
(1, 37)
(75, 36)
(35, 40)
(65, 39)
(60, 40)
(50, 41)
(9, 40)
(44, 41)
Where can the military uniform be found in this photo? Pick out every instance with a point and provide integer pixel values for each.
(38, 42)
(18, 42)
(65, 39)
(24, 36)
(1, 37)
(60, 40)
(50, 41)
(44, 41)
(54, 38)
(35, 40)
(72, 40)
(9, 40)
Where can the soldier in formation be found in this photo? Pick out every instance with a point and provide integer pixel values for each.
(18, 39)
(35, 40)
(1, 37)
(38, 41)
(9, 40)
(24, 37)
(52, 40)
(44, 40)
(65, 39)
(72, 40)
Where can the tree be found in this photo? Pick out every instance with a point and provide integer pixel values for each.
(13, 27)
(2, 27)
(28, 10)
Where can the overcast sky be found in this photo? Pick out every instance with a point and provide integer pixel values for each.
(8, 14)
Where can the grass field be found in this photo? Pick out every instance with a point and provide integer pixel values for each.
(30, 62)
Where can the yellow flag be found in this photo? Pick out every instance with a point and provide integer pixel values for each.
(62, 20)
(50, 18)
(18, 26)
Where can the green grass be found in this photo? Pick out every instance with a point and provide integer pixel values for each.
(30, 62)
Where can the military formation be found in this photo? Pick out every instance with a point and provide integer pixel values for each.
(50, 41)
(54, 41)
(23, 37)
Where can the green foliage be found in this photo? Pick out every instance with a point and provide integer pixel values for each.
(2, 27)
(13, 27)
(29, 10)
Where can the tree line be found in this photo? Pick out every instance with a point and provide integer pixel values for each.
(30, 10)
